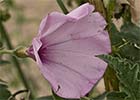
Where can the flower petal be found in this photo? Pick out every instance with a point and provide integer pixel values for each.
(89, 27)
(81, 11)
(51, 22)
(74, 72)
(36, 45)
(92, 45)
(65, 50)
(69, 84)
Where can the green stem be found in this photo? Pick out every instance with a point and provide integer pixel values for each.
(110, 79)
(62, 6)
(99, 6)
(6, 51)
(5, 37)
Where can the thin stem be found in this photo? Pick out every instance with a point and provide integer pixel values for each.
(5, 37)
(62, 6)
(110, 79)
(99, 6)
(6, 52)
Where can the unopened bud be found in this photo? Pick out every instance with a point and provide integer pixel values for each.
(21, 52)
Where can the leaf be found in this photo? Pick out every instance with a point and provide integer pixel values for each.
(85, 98)
(126, 42)
(131, 32)
(56, 97)
(4, 92)
(129, 51)
(116, 37)
(128, 74)
(45, 98)
(116, 96)
(51, 98)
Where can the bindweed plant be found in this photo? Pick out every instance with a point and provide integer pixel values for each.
(77, 49)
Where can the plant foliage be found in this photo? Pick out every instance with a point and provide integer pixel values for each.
(128, 74)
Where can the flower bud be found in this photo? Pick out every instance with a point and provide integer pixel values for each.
(21, 52)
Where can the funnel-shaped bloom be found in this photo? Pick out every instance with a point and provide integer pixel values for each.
(66, 47)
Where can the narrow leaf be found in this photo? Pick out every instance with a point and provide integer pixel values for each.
(116, 96)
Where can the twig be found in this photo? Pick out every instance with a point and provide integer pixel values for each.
(16, 93)
(62, 6)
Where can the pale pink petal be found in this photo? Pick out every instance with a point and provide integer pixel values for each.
(71, 74)
(65, 50)
(88, 66)
(91, 45)
(51, 22)
(81, 11)
(82, 28)
(70, 83)
(36, 46)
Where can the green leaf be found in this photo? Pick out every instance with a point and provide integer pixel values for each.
(56, 97)
(116, 38)
(131, 32)
(129, 51)
(116, 96)
(52, 98)
(85, 98)
(128, 74)
(4, 92)
(126, 42)
(45, 98)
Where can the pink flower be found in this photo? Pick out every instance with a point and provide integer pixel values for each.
(66, 47)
